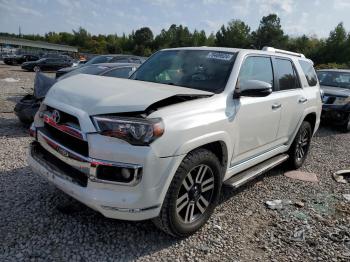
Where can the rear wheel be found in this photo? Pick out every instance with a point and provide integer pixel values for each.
(192, 196)
(300, 147)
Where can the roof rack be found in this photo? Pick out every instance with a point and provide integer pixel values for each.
(280, 51)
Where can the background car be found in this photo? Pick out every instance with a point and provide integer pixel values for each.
(105, 59)
(335, 84)
(46, 64)
(27, 107)
(19, 59)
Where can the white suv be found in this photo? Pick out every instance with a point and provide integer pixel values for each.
(160, 145)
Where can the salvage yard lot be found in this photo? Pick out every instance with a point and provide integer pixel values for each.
(38, 222)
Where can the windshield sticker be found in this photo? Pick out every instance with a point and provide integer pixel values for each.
(220, 56)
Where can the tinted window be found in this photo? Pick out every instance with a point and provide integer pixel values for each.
(256, 68)
(100, 59)
(50, 60)
(120, 60)
(309, 72)
(333, 78)
(119, 72)
(198, 69)
(286, 75)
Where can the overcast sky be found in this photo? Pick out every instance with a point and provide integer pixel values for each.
(118, 16)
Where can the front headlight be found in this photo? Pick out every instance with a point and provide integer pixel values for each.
(341, 100)
(135, 131)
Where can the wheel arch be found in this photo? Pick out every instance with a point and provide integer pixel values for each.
(218, 143)
(311, 118)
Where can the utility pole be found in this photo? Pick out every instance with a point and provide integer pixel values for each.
(19, 31)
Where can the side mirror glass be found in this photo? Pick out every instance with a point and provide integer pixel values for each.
(253, 88)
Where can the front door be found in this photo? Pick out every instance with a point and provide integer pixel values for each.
(257, 117)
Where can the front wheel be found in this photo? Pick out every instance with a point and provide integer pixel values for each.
(36, 69)
(300, 147)
(192, 196)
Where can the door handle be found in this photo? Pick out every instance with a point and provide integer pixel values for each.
(276, 106)
(302, 100)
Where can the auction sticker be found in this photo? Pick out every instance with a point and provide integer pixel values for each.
(220, 56)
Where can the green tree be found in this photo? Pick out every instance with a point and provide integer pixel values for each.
(270, 33)
(199, 38)
(336, 45)
(236, 34)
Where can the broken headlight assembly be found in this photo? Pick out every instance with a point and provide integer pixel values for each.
(341, 100)
(135, 131)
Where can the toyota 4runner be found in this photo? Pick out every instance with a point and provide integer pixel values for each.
(161, 144)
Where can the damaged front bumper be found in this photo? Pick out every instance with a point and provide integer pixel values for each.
(76, 175)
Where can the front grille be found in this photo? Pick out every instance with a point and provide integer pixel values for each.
(64, 170)
(66, 118)
(68, 140)
(75, 144)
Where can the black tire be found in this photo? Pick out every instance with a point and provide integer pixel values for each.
(26, 109)
(36, 69)
(300, 146)
(169, 219)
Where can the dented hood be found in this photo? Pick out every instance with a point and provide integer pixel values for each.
(104, 95)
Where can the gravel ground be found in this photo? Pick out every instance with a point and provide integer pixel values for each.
(40, 223)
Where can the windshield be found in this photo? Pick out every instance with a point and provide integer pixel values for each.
(197, 69)
(333, 78)
(99, 60)
(90, 70)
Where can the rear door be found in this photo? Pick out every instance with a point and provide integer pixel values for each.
(291, 97)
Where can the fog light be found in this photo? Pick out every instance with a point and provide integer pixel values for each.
(115, 173)
(126, 173)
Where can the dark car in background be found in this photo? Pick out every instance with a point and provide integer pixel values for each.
(47, 64)
(19, 59)
(26, 108)
(104, 59)
(335, 84)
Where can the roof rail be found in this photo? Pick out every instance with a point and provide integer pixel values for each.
(280, 51)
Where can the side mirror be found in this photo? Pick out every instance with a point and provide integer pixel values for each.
(253, 88)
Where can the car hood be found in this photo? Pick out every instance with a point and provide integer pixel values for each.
(335, 91)
(105, 95)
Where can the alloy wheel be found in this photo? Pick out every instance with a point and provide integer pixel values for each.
(302, 145)
(195, 194)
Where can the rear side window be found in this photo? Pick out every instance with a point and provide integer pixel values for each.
(309, 72)
(287, 78)
(256, 68)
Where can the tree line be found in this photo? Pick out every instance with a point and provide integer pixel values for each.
(333, 51)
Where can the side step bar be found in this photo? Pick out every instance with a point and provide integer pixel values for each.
(245, 176)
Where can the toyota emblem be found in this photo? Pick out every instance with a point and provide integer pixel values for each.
(56, 117)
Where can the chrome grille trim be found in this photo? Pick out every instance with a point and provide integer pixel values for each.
(84, 164)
